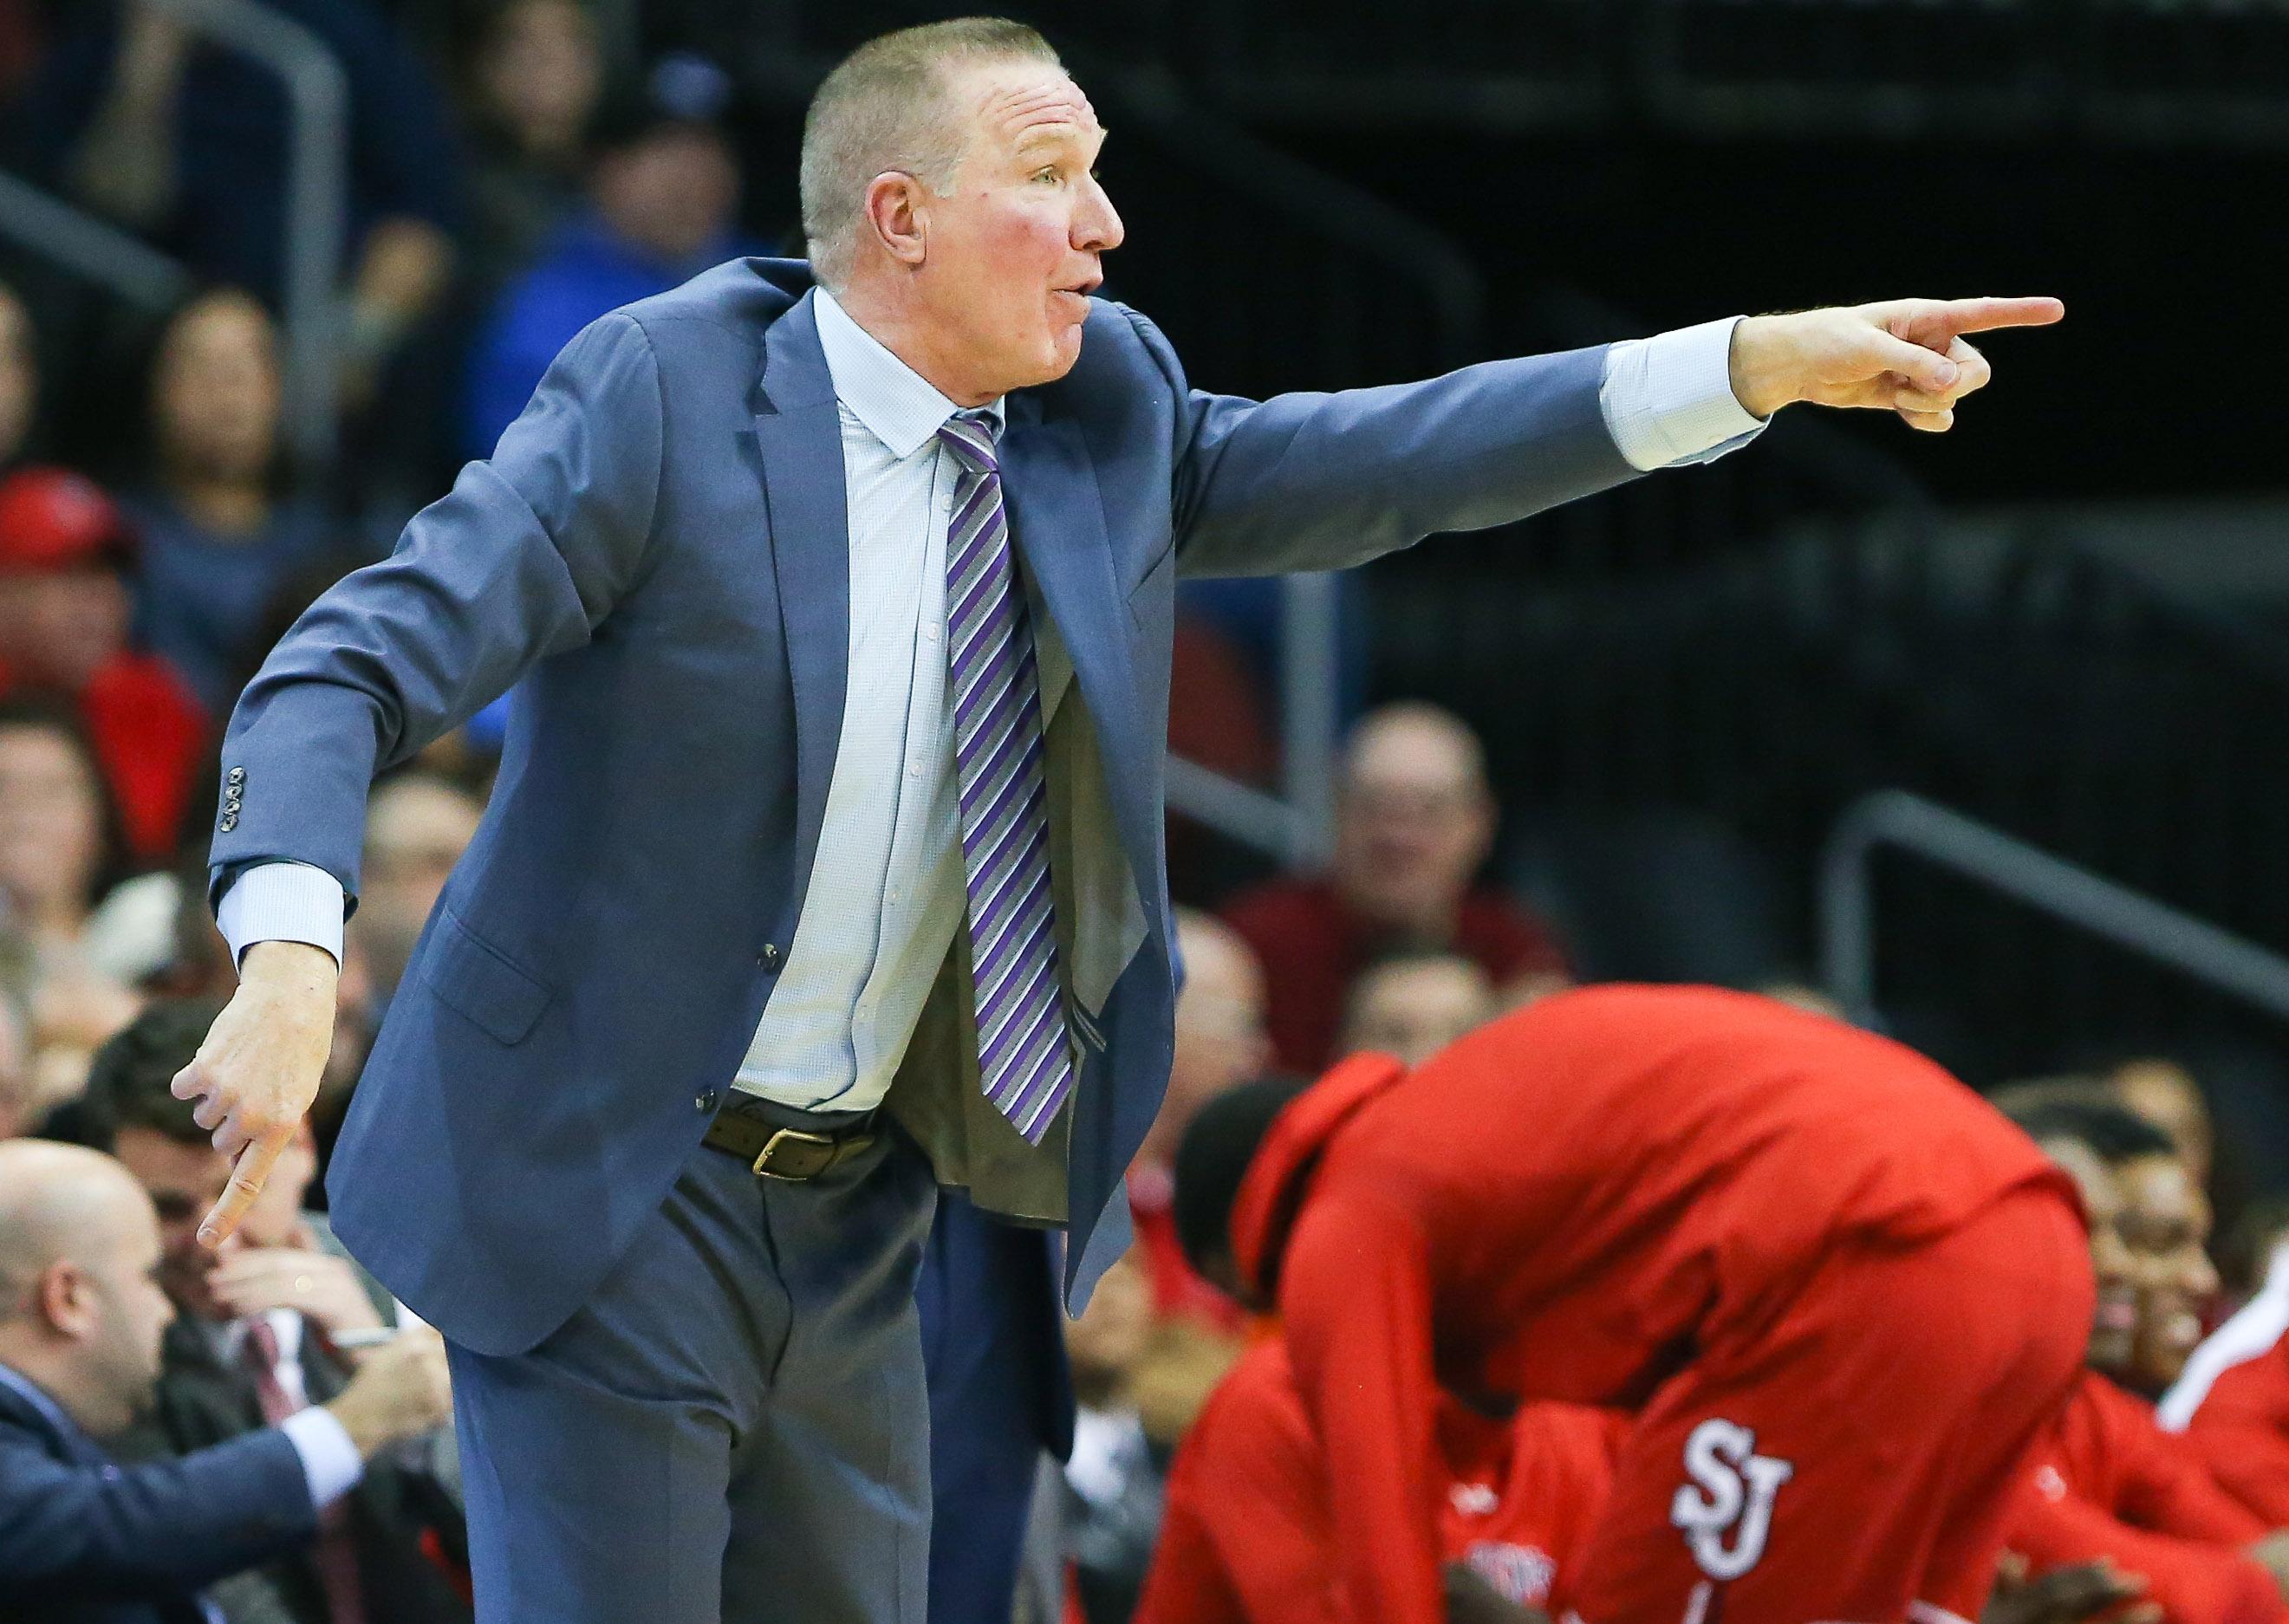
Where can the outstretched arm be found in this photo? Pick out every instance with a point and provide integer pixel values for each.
(1322, 482)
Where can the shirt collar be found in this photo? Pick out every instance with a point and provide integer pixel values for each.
(32, 1393)
(899, 407)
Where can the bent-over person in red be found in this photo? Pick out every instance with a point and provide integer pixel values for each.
(1844, 1293)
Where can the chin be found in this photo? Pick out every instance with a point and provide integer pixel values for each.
(1064, 353)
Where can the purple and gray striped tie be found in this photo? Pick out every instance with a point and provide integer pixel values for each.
(1022, 1051)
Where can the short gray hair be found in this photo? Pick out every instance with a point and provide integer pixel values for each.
(884, 107)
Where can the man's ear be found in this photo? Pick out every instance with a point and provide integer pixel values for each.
(898, 214)
(63, 1295)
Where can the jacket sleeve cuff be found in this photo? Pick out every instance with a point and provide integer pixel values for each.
(329, 1461)
(1669, 400)
(282, 902)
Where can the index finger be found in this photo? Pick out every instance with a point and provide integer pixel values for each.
(246, 1180)
(1986, 314)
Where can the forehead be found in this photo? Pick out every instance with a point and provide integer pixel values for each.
(1449, 980)
(37, 752)
(2159, 1183)
(2102, 1195)
(1019, 104)
(166, 1165)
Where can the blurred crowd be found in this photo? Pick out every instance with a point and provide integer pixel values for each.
(507, 183)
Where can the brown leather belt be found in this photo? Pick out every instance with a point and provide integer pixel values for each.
(796, 1155)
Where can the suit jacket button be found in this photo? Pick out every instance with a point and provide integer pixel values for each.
(229, 821)
(706, 1099)
(769, 957)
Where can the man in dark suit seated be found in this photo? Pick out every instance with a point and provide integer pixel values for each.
(259, 1335)
(86, 1540)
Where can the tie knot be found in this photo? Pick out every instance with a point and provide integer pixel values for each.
(969, 436)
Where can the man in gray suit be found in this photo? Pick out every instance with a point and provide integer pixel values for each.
(825, 867)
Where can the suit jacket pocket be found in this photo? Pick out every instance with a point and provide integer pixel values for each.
(471, 976)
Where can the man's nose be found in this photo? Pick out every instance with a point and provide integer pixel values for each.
(1098, 229)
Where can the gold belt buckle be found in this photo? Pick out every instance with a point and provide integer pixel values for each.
(795, 1135)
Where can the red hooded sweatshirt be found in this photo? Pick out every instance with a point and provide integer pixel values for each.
(1558, 1205)
(2108, 1482)
(2241, 1432)
(1247, 1536)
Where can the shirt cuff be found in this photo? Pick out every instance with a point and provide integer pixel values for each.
(1669, 400)
(282, 902)
(329, 1461)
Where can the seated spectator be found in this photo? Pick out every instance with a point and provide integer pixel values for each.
(279, 1319)
(64, 554)
(535, 75)
(1113, 1476)
(1414, 822)
(19, 378)
(58, 851)
(218, 543)
(2232, 1402)
(2106, 1482)
(663, 186)
(416, 829)
(1248, 1535)
(1220, 1045)
(124, 118)
(85, 1540)
(1413, 1004)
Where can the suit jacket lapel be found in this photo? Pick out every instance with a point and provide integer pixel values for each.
(800, 431)
(1050, 481)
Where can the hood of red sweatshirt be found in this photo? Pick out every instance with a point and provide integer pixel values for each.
(1271, 1194)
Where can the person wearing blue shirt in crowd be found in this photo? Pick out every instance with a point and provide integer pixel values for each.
(663, 188)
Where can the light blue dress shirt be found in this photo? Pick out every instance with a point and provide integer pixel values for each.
(887, 891)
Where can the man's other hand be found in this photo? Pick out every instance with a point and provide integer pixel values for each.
(1906, 356)
(401, 1391)
(258, 1069)
(322, 1288)
(2066, 1596)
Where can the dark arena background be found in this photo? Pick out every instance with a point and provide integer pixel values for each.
(1979, 740)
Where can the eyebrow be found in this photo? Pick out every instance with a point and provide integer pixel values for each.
(1051, 135)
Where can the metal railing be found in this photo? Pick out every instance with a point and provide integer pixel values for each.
(317, 94)
(1948, 840)
(89, 247)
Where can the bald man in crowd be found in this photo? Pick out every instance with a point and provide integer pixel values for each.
(86, 1540)
(1414, 820)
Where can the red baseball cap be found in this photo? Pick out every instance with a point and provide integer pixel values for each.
(52, 520)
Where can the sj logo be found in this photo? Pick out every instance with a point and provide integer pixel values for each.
(1726, 1513)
